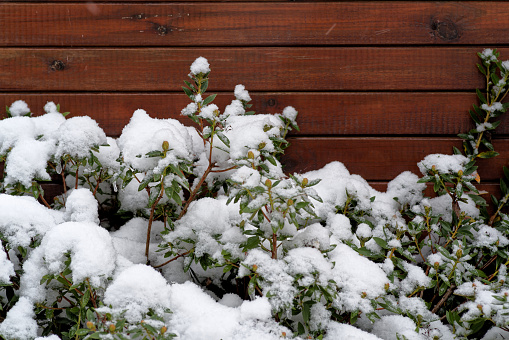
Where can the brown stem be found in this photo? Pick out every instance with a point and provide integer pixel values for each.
(44, 201)
(195, 192)
(151, 219)
(46, 307)
(92, 298)
(443, 299)
(6, 252)
(63, 182)
(98, 182)
(419, 249)
(76, 179)
(70, 302)
(489, 262)
(173, 259)
(70, 284)
(224, 170)
(274, 246)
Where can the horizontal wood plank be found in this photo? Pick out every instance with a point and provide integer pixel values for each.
(259, 69)
(350, 113)
(254, 24)
(382, 159)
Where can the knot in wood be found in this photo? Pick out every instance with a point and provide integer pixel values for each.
(271, 102)
(57, 65)
(162, 30)
(445, 29)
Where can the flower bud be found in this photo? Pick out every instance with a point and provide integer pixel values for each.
(436, 265)
(387, 286)
(250, 155)
(163, 329)
(460, 173)
(268, 183)
(305, 182)
(363, 295)
(261, 145)
(166, 145)
(255, 267)
(112, 328)
(459, 252)
(91, 326)
(283, 334)
(290, 202)
(479, 307)
(434, 168)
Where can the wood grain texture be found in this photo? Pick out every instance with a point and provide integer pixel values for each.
(254, 24)
(349, 113)
(259, 69)
(382, 159)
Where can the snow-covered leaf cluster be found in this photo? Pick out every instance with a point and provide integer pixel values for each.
(196, 232)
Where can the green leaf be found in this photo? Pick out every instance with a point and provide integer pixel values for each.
(144, 183)
(474, 116)
(494, 78)
(176, 198)
(271, 160)
(477, 325)
(503, 186)
(155, 153)
(306, 310)
(300, 328)
(443, 289)
(209, 99)
(204, 86)
(506, 172)
(487, 144)
(301, 205)
(488, 154)
(251, 243)
(188, 92)
(223, 138)
(481, 69)
(494, 199)
(353, 317)
(382, 243)
(82, 331)
(481, 96)
(191, 86)
(85, 298)
(90, 314)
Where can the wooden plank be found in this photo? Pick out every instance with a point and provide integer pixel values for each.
(382, 159)
(260, 69)
(227, 24)
(349, 113)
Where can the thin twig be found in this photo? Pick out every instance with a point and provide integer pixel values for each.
(443, 299)
(173, 259)
(44, 201)
(151, 219)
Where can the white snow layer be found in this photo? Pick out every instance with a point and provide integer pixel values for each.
(20, 322)
(200, 65)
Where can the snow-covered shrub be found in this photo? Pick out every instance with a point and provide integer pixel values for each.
(195, 232)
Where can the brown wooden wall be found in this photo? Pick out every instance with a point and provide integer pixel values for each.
(378, 85)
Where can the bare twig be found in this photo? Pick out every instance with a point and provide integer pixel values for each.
(443, 299)
(173, 259)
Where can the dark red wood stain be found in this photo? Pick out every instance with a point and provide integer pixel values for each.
(378, 84)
